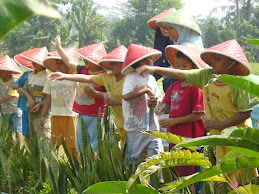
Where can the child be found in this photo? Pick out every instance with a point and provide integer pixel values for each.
(185, 101)
(113, 83)
(33, 91)
(22, 101)
(9, 97)
(140, 95)
(60, 97)
(88, 97)
(225, 105)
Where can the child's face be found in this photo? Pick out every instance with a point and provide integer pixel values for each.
(184, 64)
(90, 65)
(172, 32)
(220, 64)
(116, 67)
(37, 67)
(147, 61)
(164, 32)
(61, 66)
(5, 74)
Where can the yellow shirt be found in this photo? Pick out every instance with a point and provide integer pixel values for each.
(115, 89)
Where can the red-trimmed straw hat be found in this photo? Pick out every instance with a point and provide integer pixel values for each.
(136, 53)
(152, 22)
(233, 50)
(37, 56)
(27, 64)
(92, 53)
(8, 64)
(192, 53)
(117, 55)
(50, 61)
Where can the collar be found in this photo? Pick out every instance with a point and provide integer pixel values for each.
(5, 83)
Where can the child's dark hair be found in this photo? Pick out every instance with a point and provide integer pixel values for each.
(135, 65)
(183, 56)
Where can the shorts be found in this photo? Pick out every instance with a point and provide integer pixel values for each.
(136, 143)
(15, 121)
(91, 131)
(63, 126)
(25, 124)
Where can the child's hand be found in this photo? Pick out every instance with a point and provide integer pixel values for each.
(143, 70)
(42, 123)
(152, 102)
(112, 102)
(31, 103)
(57, 42)
(163, 110)
(56, 76)
(15, 86)
(21, 92)
(167, 122)
(149, 91)
(210, 124)
(89, 89)
(36, 108)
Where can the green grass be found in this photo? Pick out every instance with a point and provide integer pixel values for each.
(255, 68)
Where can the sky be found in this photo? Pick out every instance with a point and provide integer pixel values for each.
(198, 8)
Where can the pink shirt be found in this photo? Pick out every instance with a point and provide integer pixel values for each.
(182, 102)
(85, 104)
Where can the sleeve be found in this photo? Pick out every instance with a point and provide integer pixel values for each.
(79, 68)
(167, 99)
(197, 100)
(19, 82)
(12, 92)
(46, 88)
(241, 98)
(198, 77)
(128, 85)
(98, 79)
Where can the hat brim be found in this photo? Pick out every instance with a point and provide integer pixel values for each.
(106, 63)
(171, 52)
(164, 23)
(13, 71)
(27, 68)
(242, 69)
(30, 59)
(152, 24)
(154, 56)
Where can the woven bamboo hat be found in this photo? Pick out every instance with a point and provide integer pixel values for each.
(180, 17)
(50, 61)
(192, 53)
(21, 61)
(8, 64)
(36, 55)
(117, 55)
(233, 50)
(137, 53)
(152, 22)
(92, 53)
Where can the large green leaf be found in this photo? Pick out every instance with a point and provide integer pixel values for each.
(248, 83)
(246, 189)
(13, 12)
(119, 187)
(225, 167)
(254, 41)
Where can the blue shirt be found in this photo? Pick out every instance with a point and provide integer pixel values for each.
(22, 102)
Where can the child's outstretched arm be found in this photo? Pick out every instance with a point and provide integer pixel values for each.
(70, 63)
(72, 77)
(169, 72)
(186, 119)
(237, 119)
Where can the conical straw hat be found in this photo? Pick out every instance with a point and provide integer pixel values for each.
(192, 53)
(27, 64)
(50, 61)
(8, 64)
(180, 17)
(152, 22)
(137, 53)
(92, 53)
(117, 55)
(233, 50)
(37, 56)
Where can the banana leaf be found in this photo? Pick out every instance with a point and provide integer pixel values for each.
(246, 189)
(15, 12)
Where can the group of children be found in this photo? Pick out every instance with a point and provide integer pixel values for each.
(54, 105)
